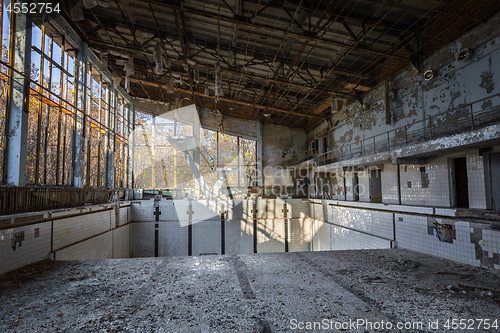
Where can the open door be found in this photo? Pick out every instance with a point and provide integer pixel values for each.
(461, 182)
(356, 186)
(495, 181)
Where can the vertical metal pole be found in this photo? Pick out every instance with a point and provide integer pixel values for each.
(217, 165)
(175, 153)
(153, 154)
(399, 184)
(238, 158)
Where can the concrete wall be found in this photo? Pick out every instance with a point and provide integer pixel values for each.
(282, 146)
(95, 232)
(232, 125)
(455, 85)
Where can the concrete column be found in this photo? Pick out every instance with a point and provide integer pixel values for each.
(110, 146)
(17, 109)
(79, 120)
(260, 170)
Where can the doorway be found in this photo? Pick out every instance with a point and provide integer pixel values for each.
(356, 186)
(461, 182)
(375, 186)
(495, 181)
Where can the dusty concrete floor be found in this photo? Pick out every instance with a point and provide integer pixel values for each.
(250, 293)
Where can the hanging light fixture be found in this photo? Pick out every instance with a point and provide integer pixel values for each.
(170, 85)
(196, 74)
(334, 105)
(129, 70)
(218, 79)
(158, 58)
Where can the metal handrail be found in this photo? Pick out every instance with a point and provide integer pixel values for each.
(407, 135)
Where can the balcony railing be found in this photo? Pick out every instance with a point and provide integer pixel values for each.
(467, 117)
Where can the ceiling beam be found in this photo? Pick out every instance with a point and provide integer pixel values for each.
(393, 28)
(244, 21)
(251, 53)
(228, 100)
(240, 73)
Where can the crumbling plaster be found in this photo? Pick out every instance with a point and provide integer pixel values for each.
(282, 146)
(455, 85)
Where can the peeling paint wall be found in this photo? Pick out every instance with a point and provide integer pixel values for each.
(235, 126)
(444, 98)
(282, 146)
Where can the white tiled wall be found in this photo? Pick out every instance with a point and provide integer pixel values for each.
(99, 247)
(300, 234)
(172, 239)
(207, 237)
(346, 239)
(298, 208)
(372, 222)
(320, 236)
(438, 192)
(143, 238)
(475, 243)
(270, 235)
(239, 236)
(31, 250)
(390, 184)
(71, 230)
(76, 237)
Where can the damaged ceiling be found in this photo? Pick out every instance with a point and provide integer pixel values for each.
(277, 61)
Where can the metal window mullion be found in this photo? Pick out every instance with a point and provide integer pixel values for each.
(60, 117)
(40, 113)
(89, 119)
(99, 135)
(47, 116)
(2, 135)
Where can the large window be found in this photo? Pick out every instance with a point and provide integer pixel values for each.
(52, 114)
(158, 165)
(4, 73)
(51, 110)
